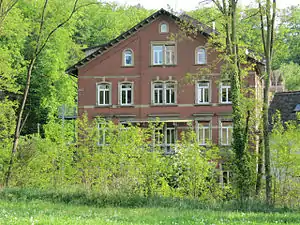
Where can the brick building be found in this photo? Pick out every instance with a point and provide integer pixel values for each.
(141, 75)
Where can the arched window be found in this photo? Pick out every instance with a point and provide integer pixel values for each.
(200, 56)
(163, 27)
(128, 59)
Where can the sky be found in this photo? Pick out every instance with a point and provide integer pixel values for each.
(187, 5)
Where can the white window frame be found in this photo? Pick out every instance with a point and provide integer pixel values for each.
(163, 53)
(229, 128)
(164, 141)
(200, 92)
(164, 91)
(104, 94)
(200, 59)
(227, 88)
(167, 143)
(124, 54)
(160, 27)
(103, 135)
(201, 128)
(158, 89)
(121, 89)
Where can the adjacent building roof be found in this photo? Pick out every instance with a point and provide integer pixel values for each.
(93, 52)
(287, 103)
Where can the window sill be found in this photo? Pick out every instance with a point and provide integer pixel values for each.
(164, 105)
(163, 65)
(203, 104)
(103, 106)
(128, 106)
(131, 66)
(225, 103)
(200, 64)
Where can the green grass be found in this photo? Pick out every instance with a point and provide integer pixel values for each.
(45, 212)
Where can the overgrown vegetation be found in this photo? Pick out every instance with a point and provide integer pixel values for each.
(129, 170)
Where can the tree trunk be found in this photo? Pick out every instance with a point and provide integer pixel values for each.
(259, 165)
(19, 123)
(266, 133)
(268, 40)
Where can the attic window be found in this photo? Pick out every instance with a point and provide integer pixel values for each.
(128, 58)
(163, 27)
(297, 108)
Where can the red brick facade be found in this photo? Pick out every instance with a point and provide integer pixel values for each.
(108, 67)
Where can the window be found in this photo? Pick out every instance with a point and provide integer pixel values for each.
(165, 137)
(104, 91)
(163, 28)
(200, 55)
(163, 54)
(225, 92)
(170, 138)
(226, 133)
(164, 93)
(126, 94)
(204, 132)
(170, 93)
(203, 92)
(128, 57)
(102, 134)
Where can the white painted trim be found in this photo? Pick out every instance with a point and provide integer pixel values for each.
(120, 93)
(159, 27)
(196, 55)
(123, 57)
(97, 93)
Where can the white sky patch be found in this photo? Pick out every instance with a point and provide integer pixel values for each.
(187, 5)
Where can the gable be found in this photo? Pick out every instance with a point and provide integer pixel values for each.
(93, 52)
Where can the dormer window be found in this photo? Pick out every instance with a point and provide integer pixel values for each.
(164, 27)
(200, 56)
(128, 57)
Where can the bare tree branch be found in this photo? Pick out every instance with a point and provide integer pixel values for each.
(262, 27)
(75, 9)
(41, 26)
(252, 15)
(273, 25)
(4, 12)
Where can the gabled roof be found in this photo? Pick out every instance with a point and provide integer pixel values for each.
(287, 104)
(95, 51)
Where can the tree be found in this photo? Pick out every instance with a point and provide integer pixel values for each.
(234, 71)
(291, 76)
(267, 19)
(5, 7)
(40, 38)
(285, 145)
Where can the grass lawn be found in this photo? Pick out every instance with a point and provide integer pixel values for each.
(42, 212)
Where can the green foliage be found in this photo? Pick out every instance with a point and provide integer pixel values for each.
(126, 163)
(285, 145)
(33, 207)
(7, 126)
(100, 23)
(291, 76)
